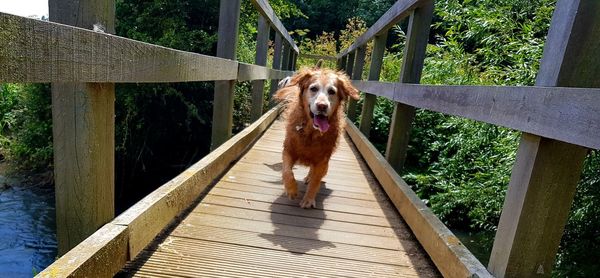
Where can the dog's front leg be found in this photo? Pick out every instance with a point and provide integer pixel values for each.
(289, 182)
(317, 172)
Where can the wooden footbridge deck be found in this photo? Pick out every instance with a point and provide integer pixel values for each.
(245, 226)
(226, 215)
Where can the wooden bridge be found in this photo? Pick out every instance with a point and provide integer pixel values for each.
(226, 216)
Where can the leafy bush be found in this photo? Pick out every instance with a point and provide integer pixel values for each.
(25, 125)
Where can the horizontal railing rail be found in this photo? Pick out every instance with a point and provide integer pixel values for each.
(559, 118)
(35, 51)
(544, 111)
(263, 7)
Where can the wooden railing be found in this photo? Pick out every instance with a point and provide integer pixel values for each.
(83, 66)
(558, 125)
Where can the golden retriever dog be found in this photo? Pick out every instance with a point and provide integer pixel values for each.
(314, 117)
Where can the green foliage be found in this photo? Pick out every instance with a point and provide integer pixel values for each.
(25, 125)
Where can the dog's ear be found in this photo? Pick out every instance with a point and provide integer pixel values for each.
(346, 85)
(301, 79)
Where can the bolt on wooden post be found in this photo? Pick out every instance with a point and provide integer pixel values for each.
(229, 19)
(83, 128)
(412, 65)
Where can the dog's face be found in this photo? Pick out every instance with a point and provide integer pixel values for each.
(322, 92)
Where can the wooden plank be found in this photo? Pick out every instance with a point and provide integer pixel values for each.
(374, 72)
(222, 120)
(286, 57)
(268, 263)
(263, 7)
(39, 51)
(258, 86)
(100, 255)
(150, 215)
(317, 57)
(357, 71)
(249, 72)
(277, 56)
(397, 12)
(83, 129)
(546, 172)
(544, 111)
(447, 252)
(412, 65)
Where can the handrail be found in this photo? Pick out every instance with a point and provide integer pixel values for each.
(31, 52)
(400, 10)
(263, 7)
(544, 111)
(558, 125)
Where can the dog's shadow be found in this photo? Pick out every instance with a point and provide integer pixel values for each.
(295, 229)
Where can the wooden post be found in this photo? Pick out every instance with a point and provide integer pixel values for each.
(357, 70)
(83, 128)
(412, 65)
(229, 18)
(276, 62)
(546, 171)
(294, 65)
(343, 62)
(258, 86)
(349, 67)
(374, 72)
(285, 62)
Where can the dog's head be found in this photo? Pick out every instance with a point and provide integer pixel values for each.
(322, 92)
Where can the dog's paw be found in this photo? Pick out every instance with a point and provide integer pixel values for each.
(292, 193)
(306, 179)
(308, 203)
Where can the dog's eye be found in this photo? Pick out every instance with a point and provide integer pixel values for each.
(331, 92)
(314, 89)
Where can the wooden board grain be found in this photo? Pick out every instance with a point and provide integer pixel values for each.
(265, 9)
(397, 12)
(39, 51)
(447, 252)
(245, 226)
(571, 115)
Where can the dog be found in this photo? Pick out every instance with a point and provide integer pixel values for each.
(314, 100)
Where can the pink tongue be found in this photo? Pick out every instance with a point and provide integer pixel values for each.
(321, 122)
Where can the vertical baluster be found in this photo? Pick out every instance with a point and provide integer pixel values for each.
(277, 55)
(357, 70)
(374, 72)
(258, 86)
(229, 19)
(83, 127)
(545, 174)
(412, 65)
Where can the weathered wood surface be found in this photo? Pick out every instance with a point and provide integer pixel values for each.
(222, 119)
(397, 12)
(266, 10)
(571, 115)
(450, 256)
(100, 255)
(317, 57)
(83, 129)
(356, 74)
(149, 216)
(374, 72)
(412, 65)
(258, 86)
(277, 57)
(546, 171)
(245, 226)
(38, 51)
(107, 250)
(249, 72)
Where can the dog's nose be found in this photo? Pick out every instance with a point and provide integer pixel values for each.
(322, 107)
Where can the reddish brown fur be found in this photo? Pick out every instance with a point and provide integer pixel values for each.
(304, 144)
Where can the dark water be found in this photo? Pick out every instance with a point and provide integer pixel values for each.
(27, 228)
